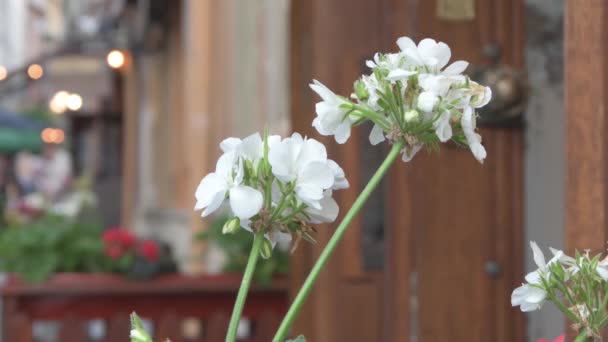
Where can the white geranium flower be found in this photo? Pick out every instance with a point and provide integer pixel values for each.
(331, 119)
(376, 135)
(468, 122)
(245, 201)
(531, 296)
(394, 63)
(303, 161)
(327, 213)
(528, 297)
(431, 55)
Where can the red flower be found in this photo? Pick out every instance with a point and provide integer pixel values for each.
(150, 250)
(114, 252)
(560, 338)
(119, 236)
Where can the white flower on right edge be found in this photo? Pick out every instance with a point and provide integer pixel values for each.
(531, 296)
(331, 118)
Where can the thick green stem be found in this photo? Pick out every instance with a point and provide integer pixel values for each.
(244, 289)
(333, 242)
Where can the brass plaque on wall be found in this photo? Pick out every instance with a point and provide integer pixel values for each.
(457, 10)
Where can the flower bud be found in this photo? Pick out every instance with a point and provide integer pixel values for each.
(361, 90)
(231, 226)
(427, 101)
(266, 249)
(411, 115)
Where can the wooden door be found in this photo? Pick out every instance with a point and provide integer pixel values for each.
(447, 219)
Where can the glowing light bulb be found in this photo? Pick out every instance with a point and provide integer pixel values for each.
(35, 71)
(115, 59)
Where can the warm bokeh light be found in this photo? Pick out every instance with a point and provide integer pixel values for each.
(116, 59)
(52, 135)
(3, 73)
(58, 103)
(35, 71)
(74, 102)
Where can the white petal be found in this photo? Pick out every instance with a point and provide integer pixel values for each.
(519, 295)
(252, 147)
(225, 164)
(533, 278)
(316, 174)
(427, 101)
(245, 201)
(273, 139)
(311, 150)
(327, 213)
(479, 152)
(229, 144)
(528, 307)
(376, 136)
(602, 272)
(455, 68)
(208, 188)
(539, 257)
(399, 74)
(323, 91)
(443, 54)
(281, 161)
(340, 181)
(467, 122)
(217, 200)
(442, 126)
(405, 43)
(342, 132)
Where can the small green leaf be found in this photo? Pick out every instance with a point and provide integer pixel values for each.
(138, 334)
(300, 338)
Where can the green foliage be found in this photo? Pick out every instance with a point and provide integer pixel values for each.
(49, 245)
(300, 338)
(237, 245)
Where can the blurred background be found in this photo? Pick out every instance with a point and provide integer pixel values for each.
(111, 112)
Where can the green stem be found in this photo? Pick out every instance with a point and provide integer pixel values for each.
(333, 242)
(242, 295)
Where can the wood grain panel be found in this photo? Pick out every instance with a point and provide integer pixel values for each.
(586, 74)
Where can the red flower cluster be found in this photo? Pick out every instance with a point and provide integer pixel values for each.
(119, 241)
(150, 250)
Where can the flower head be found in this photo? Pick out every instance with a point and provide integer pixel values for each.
(274, 186)
(149, 250)
(414, 96)
(332, 118)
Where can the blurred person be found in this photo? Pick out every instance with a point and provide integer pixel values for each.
(27, 166)
(55, 171)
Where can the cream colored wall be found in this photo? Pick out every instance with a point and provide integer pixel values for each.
(224, 73)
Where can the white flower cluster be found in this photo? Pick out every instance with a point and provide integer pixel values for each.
(277, 186)
(562, 277)
(410, 95)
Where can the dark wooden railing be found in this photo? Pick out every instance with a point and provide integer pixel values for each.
(89, 307)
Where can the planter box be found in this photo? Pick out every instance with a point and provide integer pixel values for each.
(180, 307)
